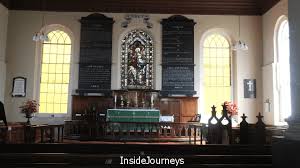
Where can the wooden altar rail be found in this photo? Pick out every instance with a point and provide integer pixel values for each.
(145, 131)
(153, 130)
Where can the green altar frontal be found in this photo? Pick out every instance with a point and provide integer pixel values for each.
(132, 115)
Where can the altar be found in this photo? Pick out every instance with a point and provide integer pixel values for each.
(133, 115)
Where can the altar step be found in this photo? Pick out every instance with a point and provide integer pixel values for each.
(209, 156)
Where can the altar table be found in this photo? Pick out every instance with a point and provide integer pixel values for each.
(133, 115)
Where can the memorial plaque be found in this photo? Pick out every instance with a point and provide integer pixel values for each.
(95, 54)
(96, 39)
(94, 76)
(177, 77)
(178, 56)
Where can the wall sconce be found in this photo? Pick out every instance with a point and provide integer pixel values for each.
(267, 105)
(128, 19)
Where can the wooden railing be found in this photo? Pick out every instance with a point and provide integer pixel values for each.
(146, 131)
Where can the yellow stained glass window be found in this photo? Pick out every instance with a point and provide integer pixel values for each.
(55, 73)
(217, 72)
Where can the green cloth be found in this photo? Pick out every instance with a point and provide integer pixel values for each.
(132, 115)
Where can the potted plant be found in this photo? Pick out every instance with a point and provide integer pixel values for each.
(28, 108)
(232, 110)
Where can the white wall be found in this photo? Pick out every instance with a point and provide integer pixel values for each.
(3, 33)
(22, 60)
(269, 22)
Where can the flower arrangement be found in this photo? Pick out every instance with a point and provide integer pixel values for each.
(29, 107)
(231, 108)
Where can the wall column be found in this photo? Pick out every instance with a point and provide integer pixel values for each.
(293, 132)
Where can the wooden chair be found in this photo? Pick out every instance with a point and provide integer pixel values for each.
(252, 134)
(2, 114)
(225, 127)
(213, 135)
(244, 130)
(4, 128)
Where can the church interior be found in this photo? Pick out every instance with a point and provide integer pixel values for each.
(209, 83)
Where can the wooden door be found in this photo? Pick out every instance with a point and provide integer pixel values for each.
(170, 106)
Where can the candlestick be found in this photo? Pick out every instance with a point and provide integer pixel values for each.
(128, 101)
(115, 101)
(152, 98)
(122, 103)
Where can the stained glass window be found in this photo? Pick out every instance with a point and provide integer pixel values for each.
(137, 61)
(55, 73)
(217, 72)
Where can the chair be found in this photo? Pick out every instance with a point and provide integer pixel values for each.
(213, 135)
(2, 114)
(3, 130)
(225, 127)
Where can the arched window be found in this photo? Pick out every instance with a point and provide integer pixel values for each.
(137, 61)
(283, 69)
(217, 72)
(55, 73)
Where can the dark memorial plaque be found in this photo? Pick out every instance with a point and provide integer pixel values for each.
(178, 78)
(178, 56)
(96, 39)
(95, 54)
(94, 76)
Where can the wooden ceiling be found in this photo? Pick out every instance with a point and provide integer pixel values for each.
(203, 7)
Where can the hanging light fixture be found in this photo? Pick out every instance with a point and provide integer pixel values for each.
(240, 45)
(41, 36)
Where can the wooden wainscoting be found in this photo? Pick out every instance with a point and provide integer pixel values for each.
(184, 109)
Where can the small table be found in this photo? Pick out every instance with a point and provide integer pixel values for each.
(197, 126)
(51, 129)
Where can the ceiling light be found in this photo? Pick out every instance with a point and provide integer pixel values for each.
(240, 45)
(41, 36)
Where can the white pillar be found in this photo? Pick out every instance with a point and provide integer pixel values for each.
(293, 132)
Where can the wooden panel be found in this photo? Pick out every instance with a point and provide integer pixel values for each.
(205, 7)
(189, 108)
(170, 107)
(15, 135)
(183, 108)
(81, 106)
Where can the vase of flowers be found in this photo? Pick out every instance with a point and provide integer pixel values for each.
(232, 110)
(29, 107)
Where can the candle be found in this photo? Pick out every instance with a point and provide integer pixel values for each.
(152, 98)
(136, 99)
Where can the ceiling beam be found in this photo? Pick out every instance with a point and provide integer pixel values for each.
(5, 3)
(202, 7)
